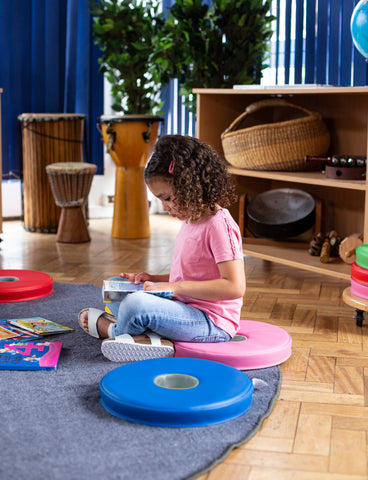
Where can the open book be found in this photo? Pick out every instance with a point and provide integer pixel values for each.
(116, 290)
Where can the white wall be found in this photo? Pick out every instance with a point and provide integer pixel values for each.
(11, 198)
(103, 185)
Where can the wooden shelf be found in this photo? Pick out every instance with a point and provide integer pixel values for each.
(281, 90)
(307, 178)
(298, 258)
(345, 202)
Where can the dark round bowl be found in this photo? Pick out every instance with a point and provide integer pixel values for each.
(281, 213)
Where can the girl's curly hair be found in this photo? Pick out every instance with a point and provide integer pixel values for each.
(199, 176)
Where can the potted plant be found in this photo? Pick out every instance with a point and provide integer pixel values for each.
(124, 29)
(214, 46)
(204, 46)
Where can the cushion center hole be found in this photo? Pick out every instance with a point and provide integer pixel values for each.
(176, 381)
(9, 279)
(239, 338)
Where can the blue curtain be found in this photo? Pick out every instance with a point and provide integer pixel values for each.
(48, 65)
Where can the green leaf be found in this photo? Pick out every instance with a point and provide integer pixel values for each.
(202, 46)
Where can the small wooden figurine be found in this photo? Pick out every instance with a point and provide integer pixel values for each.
(348, 246)
(325, 246)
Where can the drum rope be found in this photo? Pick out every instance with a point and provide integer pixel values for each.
(26, 127)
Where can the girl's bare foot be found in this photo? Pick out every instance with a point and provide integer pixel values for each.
(96, 322)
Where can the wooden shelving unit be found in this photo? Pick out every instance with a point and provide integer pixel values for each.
(344, 202)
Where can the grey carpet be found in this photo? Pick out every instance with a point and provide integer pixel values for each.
(54, 426)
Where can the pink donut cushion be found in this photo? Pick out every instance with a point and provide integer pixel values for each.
(358, 289)
(256, 345)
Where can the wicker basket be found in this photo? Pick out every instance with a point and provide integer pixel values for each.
(280, 145)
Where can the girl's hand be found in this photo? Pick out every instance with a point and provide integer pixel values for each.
(136, 277)
(230, 285)
(158, 286)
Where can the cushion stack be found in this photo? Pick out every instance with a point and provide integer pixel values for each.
(359, 272)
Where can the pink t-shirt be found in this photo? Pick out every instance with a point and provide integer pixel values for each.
(199, 247)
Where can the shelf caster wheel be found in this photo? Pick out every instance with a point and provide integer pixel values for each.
(358, 317)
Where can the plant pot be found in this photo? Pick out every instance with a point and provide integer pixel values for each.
(129, 140)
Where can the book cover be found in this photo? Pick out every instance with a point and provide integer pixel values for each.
(115, 290)
(19, 333)
(39, 325)
(30, 355)
(6, 333)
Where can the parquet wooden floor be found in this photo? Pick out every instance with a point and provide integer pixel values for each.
(318, 428)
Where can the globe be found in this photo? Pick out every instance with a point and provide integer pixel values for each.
(359, 27)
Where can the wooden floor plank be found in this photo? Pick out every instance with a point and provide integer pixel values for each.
(278, 474)
(349, 380)
(318, 427)
(229, 472)
(287, 461)
(283, 421)
(321, 369)
(348, 452)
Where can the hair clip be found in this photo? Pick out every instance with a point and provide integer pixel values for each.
(171, 166)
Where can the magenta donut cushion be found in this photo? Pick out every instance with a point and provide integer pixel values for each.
(256, 345)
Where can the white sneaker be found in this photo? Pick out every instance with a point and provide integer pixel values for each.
(127, 348)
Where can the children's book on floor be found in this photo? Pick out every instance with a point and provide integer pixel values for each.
(16, 355)
(115, 290)
(39, 325)
(6, 333)
(7, 330)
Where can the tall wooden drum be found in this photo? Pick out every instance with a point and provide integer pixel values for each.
(46, 138)
(129, 140)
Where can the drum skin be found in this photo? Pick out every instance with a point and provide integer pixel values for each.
(281, 213)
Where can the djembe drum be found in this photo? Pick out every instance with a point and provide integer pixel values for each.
(70, 183)
(46, 138)
(130, 140)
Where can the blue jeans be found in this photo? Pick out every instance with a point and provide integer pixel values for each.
(171, 319)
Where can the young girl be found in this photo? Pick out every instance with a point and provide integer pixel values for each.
(207, 273)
